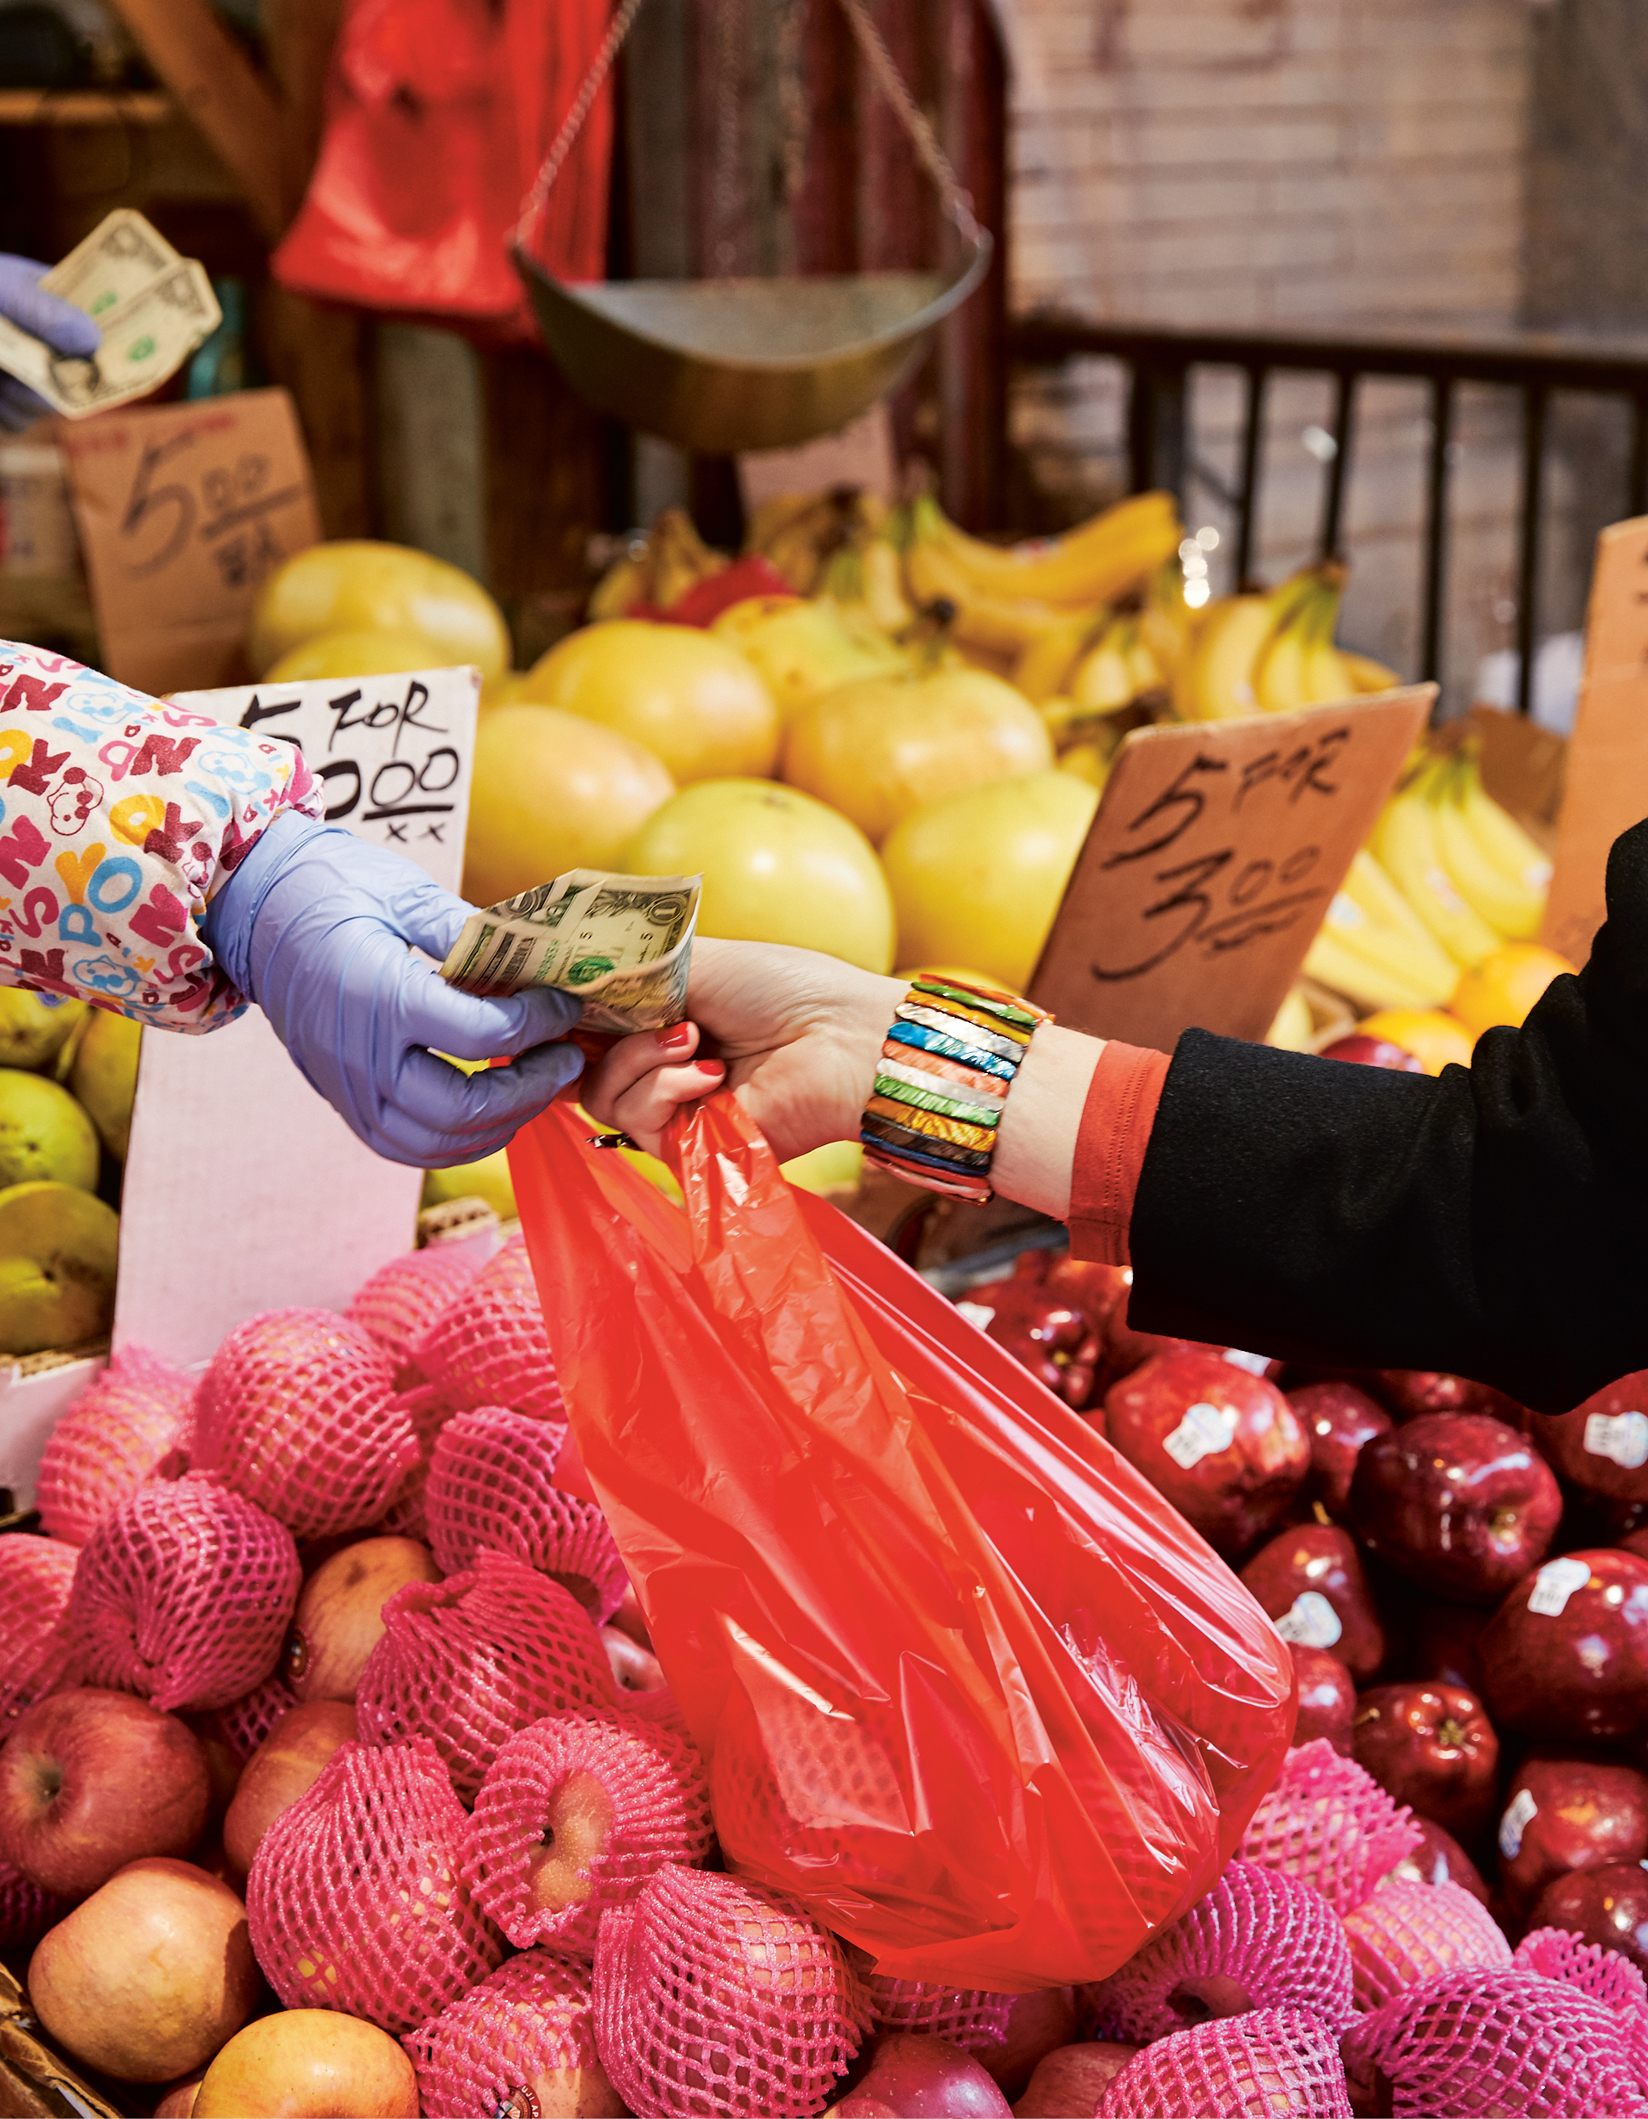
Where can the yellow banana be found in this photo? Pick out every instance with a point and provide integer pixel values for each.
(1214, 682)
(884, 596)
(1405, 842)
(625, 582)
(1299, 667)
(1366, 675)
(1366, 884)
(1514, 904)
(1364, 978)
(1400, 948)
(1103, 679)
(1090, 564)
(1504, 841)
(1147, 673)
(1000, 625)
(1167, 624)
(1086, 761)
(1046, 664)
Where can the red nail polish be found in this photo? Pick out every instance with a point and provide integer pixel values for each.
(713, 1066)
(673, 1039)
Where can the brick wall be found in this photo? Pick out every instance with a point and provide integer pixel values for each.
(1291, 162)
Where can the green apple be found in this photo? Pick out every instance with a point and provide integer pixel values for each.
(44, 1134)
(487, 1179)
(837, 1166)
(104, 1076)
(31, 1034)
(59, 1247)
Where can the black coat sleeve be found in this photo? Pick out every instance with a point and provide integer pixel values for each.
(1492, 1222)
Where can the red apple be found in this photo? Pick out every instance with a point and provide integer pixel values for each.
(1440, 1859)
(1073, 2079)
(1608, 1906)
(1338, 1418)
(1099, 1291)
(912, 2076)
(338, 1621)
(1043, 1330)
(91, 1780)
(1567, 1651)
(1222, 1445)
(1459, 1504)
(1410, 1392)
(309, 2061)
(1431, 1747)
(629, 1618)
(1310, 1580)
(634, 1668)
(1602, 1445)
(150, 1975)
(1442, 1643)
(1327, 1698)
(284, 1766)
(1563, 1814)
(1373, 1052)
(1036, 2025)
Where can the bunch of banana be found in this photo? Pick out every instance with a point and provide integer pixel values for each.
(1374, 947)
(799, 533)
(656, 569)
(1468, 869)
(1007, 598)
(864, 582)
(1266, 653)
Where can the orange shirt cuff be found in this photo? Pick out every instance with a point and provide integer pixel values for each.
(1115, 1131)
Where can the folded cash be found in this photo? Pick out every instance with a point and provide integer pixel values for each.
(153, 307)
(622, 944)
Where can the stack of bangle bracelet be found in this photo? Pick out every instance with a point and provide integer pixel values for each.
(941, 1084)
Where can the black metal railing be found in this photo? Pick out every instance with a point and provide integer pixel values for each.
(1161, 359)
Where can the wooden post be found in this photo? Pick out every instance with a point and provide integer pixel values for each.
(220, 89)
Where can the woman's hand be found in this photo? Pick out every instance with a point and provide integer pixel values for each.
(796, 1034)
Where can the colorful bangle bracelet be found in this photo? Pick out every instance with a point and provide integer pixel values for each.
(946, 1066)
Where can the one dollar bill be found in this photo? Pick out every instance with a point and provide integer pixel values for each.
(622, 944)
(153, 308)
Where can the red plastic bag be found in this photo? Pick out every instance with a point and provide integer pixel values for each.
(438, 115)
(965, 1684)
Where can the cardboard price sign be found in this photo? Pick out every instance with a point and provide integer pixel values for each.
(1605, 790)
(184, 511)
(245, 1190)
(1216, 851)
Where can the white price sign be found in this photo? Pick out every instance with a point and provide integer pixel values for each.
(393, 754)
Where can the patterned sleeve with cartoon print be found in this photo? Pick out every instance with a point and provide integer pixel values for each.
(119, 818)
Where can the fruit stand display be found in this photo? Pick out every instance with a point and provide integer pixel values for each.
(338, 1771)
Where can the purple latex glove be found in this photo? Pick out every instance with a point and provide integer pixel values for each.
(66, 329)
(314, 925)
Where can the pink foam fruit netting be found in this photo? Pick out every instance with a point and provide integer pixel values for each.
(528, 2028)
(469, 1661)
(1258, 1940)
(575, 1812)
(1268, 2064)
(36, 1651)
(133, 1422)
(489, 1347)
(1330, 1824)
(492, 1487)
(356, 1898)
(183, 1595)
(713, 1995)
(298, 1412)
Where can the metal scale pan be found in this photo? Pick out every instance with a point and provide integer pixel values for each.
(726, 365)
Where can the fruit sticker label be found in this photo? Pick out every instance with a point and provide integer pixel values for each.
(1554, 1584)
(1255, 1364)
(1310, 1622)
(1519, 1815)
(1620, 1437)
(1203, 1432)
(1216, 849)
(979, 1313)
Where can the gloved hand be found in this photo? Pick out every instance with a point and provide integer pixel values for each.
(67, 330)
(314, 925)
